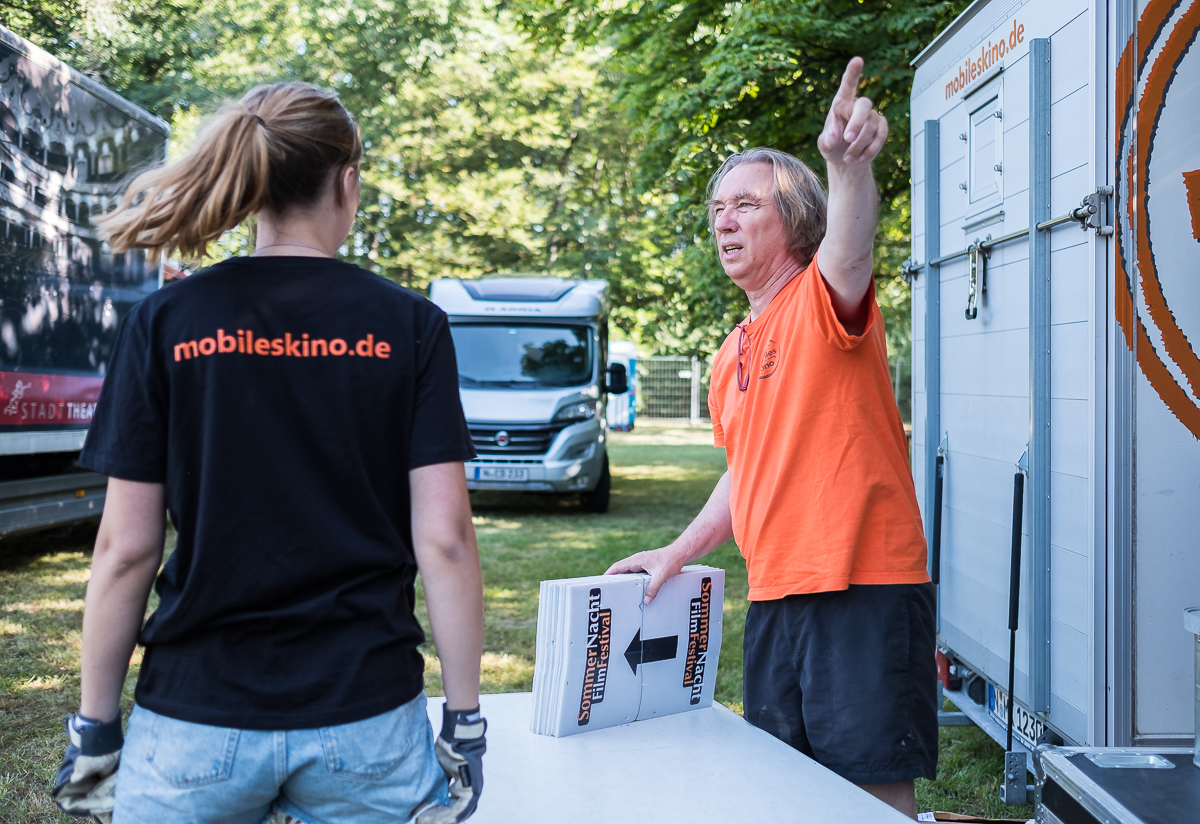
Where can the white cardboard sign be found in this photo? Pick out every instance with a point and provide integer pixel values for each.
(605, 658)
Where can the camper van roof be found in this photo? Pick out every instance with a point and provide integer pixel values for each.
(519, 289)
(516, 296)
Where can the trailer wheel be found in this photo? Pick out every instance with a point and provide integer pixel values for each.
(597, 500)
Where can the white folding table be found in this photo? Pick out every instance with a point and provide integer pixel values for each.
(702, 766)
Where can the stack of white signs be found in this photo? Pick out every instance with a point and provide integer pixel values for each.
(665, 657)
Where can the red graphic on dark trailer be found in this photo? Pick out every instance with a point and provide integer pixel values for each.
(599, 643)
(697, 651)
(32, 399)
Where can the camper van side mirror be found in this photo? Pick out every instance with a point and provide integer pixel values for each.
(618, 379)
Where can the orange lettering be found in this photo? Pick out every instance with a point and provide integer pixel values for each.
(292, 346)
(277, 347)
(337, 346)
(383, 349)
(241, 341)
(319, 345)
(262, 346)
(207, 346)
(365, 347)
(188, 350)
(304, 348)
(225, 343)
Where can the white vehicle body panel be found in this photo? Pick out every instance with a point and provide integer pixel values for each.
(1101, 654)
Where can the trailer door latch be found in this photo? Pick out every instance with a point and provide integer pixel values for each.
(977, 254)
(1093, 212)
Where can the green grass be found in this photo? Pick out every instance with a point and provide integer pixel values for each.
(661, 478)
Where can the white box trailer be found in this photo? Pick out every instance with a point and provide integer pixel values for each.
(1056, 318)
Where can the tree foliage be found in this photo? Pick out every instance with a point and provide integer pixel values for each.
(485, 153)
(572, 137)
(705, 78)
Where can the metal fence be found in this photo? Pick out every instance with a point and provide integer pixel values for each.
(673, 388)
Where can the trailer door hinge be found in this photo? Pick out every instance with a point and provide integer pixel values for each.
(909, 270)
(1093, 212)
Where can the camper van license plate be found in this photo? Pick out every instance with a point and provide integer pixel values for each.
(1026, 728)
(501, 473)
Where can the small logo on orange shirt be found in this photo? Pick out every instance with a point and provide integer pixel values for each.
(770, 360)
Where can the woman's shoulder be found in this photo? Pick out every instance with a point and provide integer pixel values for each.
(238, 275)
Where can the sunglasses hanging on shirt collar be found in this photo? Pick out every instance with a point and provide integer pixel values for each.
(743, 375)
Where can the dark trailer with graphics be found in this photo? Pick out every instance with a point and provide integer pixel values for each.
(67, 144)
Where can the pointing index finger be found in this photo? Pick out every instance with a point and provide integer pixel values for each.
(850, 78)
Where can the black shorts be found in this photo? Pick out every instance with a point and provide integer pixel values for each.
(848, 678)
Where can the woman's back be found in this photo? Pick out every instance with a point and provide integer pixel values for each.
(283, 401)
(299, 419)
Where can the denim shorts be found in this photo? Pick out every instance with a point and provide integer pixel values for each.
(848, 678)
(373, 771)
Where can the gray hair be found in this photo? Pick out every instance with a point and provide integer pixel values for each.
(799, 197)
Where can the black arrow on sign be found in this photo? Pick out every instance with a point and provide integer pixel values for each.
(650, 650)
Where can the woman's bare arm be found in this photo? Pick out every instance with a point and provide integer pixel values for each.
(448, 557)
(129, 550)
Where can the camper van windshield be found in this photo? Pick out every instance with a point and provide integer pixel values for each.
(522, 356)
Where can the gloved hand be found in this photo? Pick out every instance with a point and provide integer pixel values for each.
(460, 750)
(88, 774)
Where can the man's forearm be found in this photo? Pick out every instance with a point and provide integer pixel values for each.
(709, 529)
(847, 253)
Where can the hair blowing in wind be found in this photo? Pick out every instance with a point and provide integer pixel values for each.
(275, 149)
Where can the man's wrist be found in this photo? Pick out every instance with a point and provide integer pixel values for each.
(853, 171)
(683, 552)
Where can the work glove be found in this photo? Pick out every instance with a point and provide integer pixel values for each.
(88, 774)
(460, 750)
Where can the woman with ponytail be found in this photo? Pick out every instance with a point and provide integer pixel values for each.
(299, 419)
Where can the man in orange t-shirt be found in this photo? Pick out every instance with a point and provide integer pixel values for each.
(839, 645)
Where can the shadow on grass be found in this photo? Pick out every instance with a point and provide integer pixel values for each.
(43, 578)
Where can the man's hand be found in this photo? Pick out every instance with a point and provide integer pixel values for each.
(460, 750)
(854, 131)
(662, 564)
(853, 135)
(88, 774)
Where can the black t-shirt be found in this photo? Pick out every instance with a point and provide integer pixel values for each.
(282, 401)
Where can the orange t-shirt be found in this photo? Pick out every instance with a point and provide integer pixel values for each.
(822, 494)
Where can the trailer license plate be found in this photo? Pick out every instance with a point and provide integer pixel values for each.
(501, 473)
(1026, 728)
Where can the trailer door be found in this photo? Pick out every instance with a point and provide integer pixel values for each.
(1155, 374)
(1011, 128)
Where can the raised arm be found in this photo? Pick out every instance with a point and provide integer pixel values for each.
(444, 543)
(853, 135)
(707, 531)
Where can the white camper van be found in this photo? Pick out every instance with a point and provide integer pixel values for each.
(534, 379)
(1056, 386)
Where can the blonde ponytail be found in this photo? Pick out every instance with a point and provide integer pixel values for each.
(274, 149)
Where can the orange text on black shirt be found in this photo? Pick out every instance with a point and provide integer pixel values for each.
(286, 347)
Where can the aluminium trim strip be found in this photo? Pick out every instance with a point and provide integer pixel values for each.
(1039, 373)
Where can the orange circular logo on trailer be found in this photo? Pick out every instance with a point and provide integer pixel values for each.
(1158, 193)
